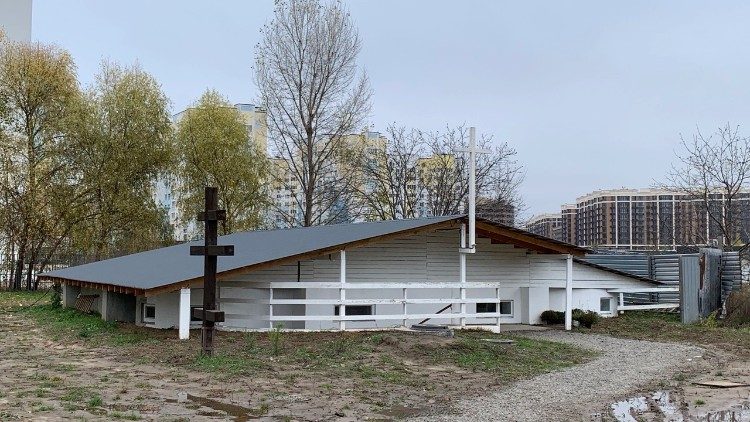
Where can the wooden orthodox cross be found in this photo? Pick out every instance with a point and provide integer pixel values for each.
(210, 251)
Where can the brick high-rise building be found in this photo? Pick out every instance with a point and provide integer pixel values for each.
(648, 219)
(548, 225)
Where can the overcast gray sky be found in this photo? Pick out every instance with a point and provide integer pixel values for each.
(592, 94)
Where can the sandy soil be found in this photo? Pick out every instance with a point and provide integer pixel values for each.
(56, 375)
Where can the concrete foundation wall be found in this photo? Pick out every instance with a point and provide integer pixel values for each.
(118, 307)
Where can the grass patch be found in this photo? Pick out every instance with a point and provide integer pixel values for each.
(659, 326)
(11, 300)
(130, 416)
(232, 364)
(525, 358)
(89, 327)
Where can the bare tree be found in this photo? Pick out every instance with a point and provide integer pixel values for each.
(445, 173)
(307, 75)
(390, 190)
(419, 173)
(713, 170)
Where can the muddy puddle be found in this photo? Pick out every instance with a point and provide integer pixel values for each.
(216, 408)
(665, 406)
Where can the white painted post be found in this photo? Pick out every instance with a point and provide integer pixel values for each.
(472, 186)
(569, 293)
(184, 323)
(622, 303)
(497, 307)
(462, 275)
(270, 308)
(403, 306)
(342, 290)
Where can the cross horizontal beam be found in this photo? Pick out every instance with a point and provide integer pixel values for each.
(213, 250)
(212, 215)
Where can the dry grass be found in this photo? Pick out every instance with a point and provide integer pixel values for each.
(379, 374)
(659, 326)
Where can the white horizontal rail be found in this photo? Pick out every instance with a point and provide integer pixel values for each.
(382, 317)
(386, 285)
(649, 306)
(645, 290)
(392, 301)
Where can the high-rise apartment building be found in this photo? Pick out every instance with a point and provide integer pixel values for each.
(15, 19)
(548, 225)
(568, 223)
(649, 219)
(254, 118)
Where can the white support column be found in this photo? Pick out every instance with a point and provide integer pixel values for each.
(472, 186)
(270, 308)
(342, 291)
(403, 306)
(462, 274)
(622, 303)
(184, 313)
(569, 293)
(497, 307)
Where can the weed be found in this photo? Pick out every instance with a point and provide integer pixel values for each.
(76, 394)
(699, 402)
(275, 337)
(251, 342)
(43, 408)
(261, 410)
(131, 416)
(94, 401)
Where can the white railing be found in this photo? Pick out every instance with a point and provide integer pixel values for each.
(623, 307)
(404, 300)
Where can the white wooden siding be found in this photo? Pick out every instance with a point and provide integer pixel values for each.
(431, 257)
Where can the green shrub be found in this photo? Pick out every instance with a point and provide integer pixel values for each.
(56, 299)
(551, 317)
(586, 319)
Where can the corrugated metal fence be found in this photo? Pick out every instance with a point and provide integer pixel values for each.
(719, 267)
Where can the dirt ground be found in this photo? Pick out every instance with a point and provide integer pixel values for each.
(73, 367)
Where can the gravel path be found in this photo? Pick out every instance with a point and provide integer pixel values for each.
(577, 392)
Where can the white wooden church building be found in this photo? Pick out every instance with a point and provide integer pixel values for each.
(355, 276)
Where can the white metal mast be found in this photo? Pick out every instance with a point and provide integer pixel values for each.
(473, 151)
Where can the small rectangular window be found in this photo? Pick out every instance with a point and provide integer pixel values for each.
(505, 306)
(149, 312)
(483, 308)
(354, 310)
(605, 304)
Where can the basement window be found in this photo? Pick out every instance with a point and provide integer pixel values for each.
(354, 310)
(148, 312)
(506, 307)
(605, 304)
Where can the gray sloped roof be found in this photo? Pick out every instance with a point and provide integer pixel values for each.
(174, 264)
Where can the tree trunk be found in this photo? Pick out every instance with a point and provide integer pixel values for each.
(29, 274)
